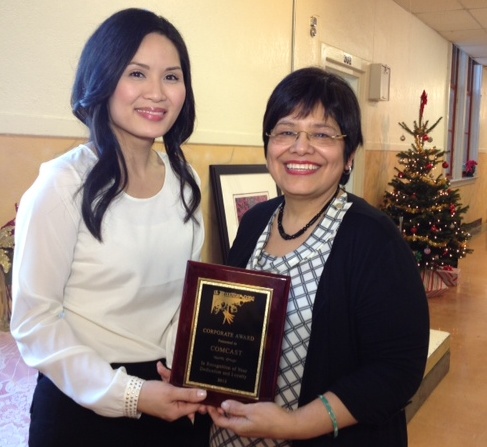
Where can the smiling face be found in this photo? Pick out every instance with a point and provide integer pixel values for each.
(150, 93)
(302, 170)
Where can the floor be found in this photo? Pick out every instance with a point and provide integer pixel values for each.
(454, 415)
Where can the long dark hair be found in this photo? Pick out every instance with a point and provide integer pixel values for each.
(304, 89)
(103, 60)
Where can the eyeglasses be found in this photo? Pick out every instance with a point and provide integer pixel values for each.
(318, 139)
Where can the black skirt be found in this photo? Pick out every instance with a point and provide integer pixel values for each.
(58, 421)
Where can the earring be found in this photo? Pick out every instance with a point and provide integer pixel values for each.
(348, 170)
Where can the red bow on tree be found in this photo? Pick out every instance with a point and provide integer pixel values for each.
(424, 101)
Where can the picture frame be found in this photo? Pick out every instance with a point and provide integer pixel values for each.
(236, 188)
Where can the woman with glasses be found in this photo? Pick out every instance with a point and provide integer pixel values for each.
(357, 326)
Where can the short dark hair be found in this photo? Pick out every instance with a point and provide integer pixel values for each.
(103, 60)
(302, 90)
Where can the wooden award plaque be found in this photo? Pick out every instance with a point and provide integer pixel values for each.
(230, 332)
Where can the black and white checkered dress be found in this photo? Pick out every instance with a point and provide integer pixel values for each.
(305, 266)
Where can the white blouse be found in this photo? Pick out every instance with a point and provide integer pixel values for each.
(79, 304)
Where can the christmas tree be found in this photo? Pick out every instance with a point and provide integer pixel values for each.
(427, 211)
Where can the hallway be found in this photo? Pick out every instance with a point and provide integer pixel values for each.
(454, 415)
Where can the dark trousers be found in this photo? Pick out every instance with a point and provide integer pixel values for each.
(58, 421)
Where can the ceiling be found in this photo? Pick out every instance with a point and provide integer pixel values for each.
(462, 22)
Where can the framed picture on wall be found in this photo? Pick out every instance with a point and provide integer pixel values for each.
(236, 189)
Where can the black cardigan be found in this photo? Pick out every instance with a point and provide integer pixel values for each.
(370, 329)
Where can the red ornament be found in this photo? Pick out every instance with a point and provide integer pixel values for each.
(414, 230)
(429, 166)
(445, 164)
(434, 229)
(425, 137)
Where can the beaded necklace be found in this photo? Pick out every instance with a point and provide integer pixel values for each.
(288, 237)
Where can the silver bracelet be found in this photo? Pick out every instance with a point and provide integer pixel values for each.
(132, 393)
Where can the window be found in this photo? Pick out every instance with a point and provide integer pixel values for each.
(464, 113)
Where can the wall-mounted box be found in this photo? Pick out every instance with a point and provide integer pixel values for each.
(379, 82)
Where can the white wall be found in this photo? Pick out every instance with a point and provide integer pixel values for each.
(380, 31)
(239, 51)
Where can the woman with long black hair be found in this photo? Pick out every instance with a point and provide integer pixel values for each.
(102, 241)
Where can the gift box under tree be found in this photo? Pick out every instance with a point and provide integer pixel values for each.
(437, 281)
